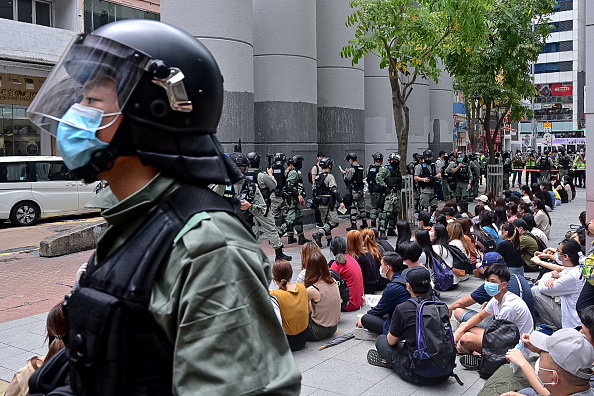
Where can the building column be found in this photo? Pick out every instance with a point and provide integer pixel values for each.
(589, 112)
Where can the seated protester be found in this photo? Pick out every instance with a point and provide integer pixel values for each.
(509, 249)
(293, 302)
(324, 298)
(486, 221)
(524, 208)
(307, 250)
(544, 196)
(441, 241)
(377, 320)
(456, 235)
(466, 224)
(377, 251)
(448, 212)
(388, 352)
(527, 195)
(478, 209)
(483, 202)
(502, 305)
(404, 233)
(382, 242)
(528, 245)
(423, 238)
(556, 293)
(512, 212)
(348, 268)
(537, 232)
(423, 220)
(541, 217)
(411, 252)
(500, 216)
(556, 189)
(517, 284)
(365, 260)
(546, 187)
(441, 219)
(463, 209)
(586, 297)
(564, 366)
(568, 188)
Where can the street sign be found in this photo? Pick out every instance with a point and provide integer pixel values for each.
(547, 127)
(548, 138)
(527, 142)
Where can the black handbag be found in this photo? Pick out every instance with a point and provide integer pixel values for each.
(499, 336)
(51, 375)
(461, 261)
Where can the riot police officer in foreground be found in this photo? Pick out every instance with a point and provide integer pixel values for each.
(353, 178)
(375, 191)
(175, 299)
(294, 197)
(278, 206)
(390, 180)
(426, 176)
(262, 218)
(463, 176)
(326, 196)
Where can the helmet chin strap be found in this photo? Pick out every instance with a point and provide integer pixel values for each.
(121, 145)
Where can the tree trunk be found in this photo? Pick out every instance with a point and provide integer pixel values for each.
(487, 128)
(472, 108)
(401, 118)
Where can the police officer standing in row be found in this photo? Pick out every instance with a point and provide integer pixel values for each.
(389, 179)
(175, 298)
(545, 163)
(326, 196)
(262, 217)
(294, 197)
(278, 206)
(449, 182)
(375, 191)
(475, 168)
(507, 169)
(463, 176)
(531, 168)
(353, 178)
(426, 176)
(564, 163)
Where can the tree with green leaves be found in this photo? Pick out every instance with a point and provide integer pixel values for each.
(410, 37)
(496, 73)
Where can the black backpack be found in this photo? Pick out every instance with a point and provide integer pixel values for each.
(461, 261)
(539, 242)
(435, 355)
(498, 337)
(488, 243)
(343, 289)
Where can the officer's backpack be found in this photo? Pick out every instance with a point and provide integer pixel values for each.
(499, 336)
(435, 355)
(343, 289)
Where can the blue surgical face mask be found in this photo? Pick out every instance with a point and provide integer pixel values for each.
(491, 288)
(76, 136)
(460, 159)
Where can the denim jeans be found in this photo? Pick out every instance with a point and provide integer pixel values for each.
(517, 173)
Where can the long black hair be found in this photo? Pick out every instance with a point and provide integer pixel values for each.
(541, 206)
(422, 237)
(404, 231)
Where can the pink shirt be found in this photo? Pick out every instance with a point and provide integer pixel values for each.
(351, 273)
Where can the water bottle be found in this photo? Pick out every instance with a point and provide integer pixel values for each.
(520, 346)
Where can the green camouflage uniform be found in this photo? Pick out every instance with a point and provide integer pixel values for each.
(293, 189)
(390, 179)
(355, 185)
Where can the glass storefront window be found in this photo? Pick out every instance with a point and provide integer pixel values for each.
(18, 136)
(99, 13)
(29, 11)
(6, 7)
(25, 11)
(42, 13)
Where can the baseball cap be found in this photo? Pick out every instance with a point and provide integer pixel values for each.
(520, 223)
(423, 216)
(492, 258)
(417, 276)
(569, 349)
(483, 198)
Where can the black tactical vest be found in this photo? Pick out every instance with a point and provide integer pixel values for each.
(253, 177)
(564, 161)
(279, 175)
(371, 178)
(356, 182)
(463, 173)
(544, 163)
(426, 171)
(395, 178)
(115, 347)
(320, 185)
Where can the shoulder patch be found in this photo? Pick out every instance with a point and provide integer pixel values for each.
(191, 224)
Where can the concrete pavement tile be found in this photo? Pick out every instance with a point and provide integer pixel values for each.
(392, 384)
(345, 378)
(307, 390)
(450, 388)
(357, 353)
(18, 322)
(468, 377)
(22, 339)
(479, 384)
(5, 375)
(13, 358)
(309, 359)
(320, 392)
(471, 392)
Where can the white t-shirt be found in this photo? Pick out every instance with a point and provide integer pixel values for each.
(514, 309)
(568, 288)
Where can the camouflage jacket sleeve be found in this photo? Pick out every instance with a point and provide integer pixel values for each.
(380, 179)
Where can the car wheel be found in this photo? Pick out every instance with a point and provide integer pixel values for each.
(24, 214)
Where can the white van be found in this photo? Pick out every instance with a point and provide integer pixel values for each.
(37, 187)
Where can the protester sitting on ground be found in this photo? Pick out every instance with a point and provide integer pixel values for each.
(463, 209)
(500, 203)
(377, 320)
(503, 305)
(377, 251)
(307, 250)
(492, 200)
(554, 191)
(541, 217)
(544, 195)
(569, 188)
(348, 268)
(324, 298)
(500, 216)
(293, 302)
(517, 284)
(523, 209)
(512, 212)
(365, 260)
(533, 230)
(423, 238)
(448, 212)
(56, 328)
(564, 367)
(411, 252)
(466, 224)
(441, 241)
(404, 233)
(440, 219)
(528, 245)
(527, 195)
(509, 249)
(483, 202)
(382, 242)
(388, 352)
(556, 293)
(478, 209)
(456, 235)
(424, 220)
(486, 221)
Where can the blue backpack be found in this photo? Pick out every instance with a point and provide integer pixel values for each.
(444, 276)
(435, 355)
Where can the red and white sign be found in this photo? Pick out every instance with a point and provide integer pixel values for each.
(562, 89)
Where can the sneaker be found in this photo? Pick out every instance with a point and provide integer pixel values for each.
(470, 362)
(364, 334)
(463, 278)
(375, 359)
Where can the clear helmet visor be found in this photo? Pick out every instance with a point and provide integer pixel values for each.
(94, 72)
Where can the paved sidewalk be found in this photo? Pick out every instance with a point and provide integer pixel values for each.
(339, 370)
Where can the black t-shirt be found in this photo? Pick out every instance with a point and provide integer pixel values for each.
(369, 270)
(404, 325)
(545, 197)
(385, 244)
(511, 255)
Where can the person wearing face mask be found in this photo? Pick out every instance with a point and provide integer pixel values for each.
(586, 297)
(348, 268)
(580, 169)
(377, 320)
(503, 305)
(556, 293)
(509, 248)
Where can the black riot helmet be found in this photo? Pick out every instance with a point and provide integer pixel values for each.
(394, 157)
(428, 156)
(350, 156)
(460, 157)
(240, 159)
(415, 156)
(280, 157)
(326, 163)
(254, 159)
(472, 156)
(505, 154)
(378, 156)
(169, 91)
(296, 161)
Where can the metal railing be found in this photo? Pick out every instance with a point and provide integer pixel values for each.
(408, 199)
(494, 182)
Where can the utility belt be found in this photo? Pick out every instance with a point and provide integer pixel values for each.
(324, 200)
